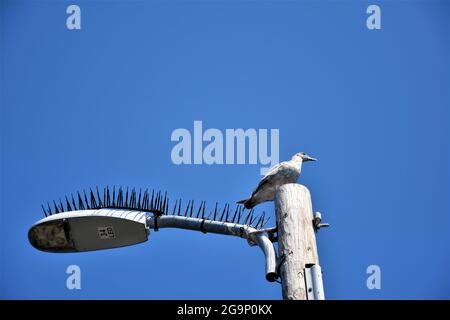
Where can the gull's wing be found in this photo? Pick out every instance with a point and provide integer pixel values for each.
(269, 175)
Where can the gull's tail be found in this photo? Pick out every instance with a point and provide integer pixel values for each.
(248, 203)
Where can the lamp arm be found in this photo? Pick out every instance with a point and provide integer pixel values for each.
(254, 236)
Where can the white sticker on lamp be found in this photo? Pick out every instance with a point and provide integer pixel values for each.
(106, 233)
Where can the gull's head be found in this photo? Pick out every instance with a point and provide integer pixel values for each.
(302, 157)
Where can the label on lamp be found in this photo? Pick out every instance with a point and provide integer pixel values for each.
(106, 233)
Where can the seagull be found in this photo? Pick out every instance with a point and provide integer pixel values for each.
(282, 173)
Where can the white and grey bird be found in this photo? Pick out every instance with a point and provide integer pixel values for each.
(282, 173)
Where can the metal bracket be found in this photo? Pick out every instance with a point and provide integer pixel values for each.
(317, 221)
(314, 283)
(269, 255)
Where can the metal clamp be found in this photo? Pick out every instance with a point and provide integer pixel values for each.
(155, 226)
(314, 282)
(202, 225)
(317, 221)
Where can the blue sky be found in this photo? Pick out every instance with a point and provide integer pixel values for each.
(97, 106)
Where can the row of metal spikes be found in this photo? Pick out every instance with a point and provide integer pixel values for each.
(155, 203)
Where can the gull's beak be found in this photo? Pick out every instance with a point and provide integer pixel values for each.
(308, 158)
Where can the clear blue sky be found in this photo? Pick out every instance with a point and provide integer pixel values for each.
(97, 106)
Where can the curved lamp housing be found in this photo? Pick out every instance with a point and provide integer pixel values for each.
(87, 230)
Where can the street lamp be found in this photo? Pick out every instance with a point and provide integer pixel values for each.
(124, 218)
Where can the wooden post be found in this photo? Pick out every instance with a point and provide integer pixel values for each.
(297, 247)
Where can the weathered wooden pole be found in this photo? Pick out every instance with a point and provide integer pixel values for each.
(297, 250)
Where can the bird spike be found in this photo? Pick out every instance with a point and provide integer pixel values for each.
(252, 219)
(203, 211)
(228, 211)
(61, 206)
(80, 202)
(261, 217)
(121, 201)
(100, 203)
(157, 201)
(187, 208)
(165, 202)
(73, 202)
(192, 208)
(152, 200)
(56, 207)
(126, 198)
(111, 196)
(49, 209)
(235, 213)
(166, 209)
(223, 212)
(179, 207)
(69, 207)
(108, 197)
(262, 226)
(146, 200)
(247, 216)
(104, 197)
(199, 209)
(161, 202)
(175, 207)
(215, 211)
(93, 202)
(239, 214)
(86, 200)
(139, 199)
(209, 215)
(45, 212)
(117, 197)
(133, 198)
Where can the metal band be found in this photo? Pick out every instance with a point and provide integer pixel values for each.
(155, 226)
(202, 224)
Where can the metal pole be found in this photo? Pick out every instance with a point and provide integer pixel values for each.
(297, 249)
